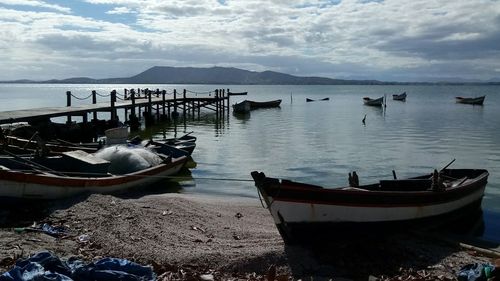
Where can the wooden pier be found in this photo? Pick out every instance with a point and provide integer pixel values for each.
(155, 105)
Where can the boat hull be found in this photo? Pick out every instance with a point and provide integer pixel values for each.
(473, 101)
(373, 102)
(242, 107)
(310, 232)
(301, 210)
(400, 97)
(264, 104)
(47, 186)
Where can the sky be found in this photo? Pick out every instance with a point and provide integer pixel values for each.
(391, 40)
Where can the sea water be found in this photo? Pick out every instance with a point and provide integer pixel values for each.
(318, 142)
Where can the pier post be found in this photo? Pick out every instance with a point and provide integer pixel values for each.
(132, 110)
(113, 109)
(228, 103)
(148, 114)
(175, 114)
(216, 96)
(192, 109)
(68, 98)
(222, 104)
(163, 93)
(150, 103)
(94, 101)
(184, 103)
(68, 104)
(125, 109)
(158, 112)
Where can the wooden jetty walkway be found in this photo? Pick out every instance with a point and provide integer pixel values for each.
(159, 104)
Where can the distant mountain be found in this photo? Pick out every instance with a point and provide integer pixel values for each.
(213, 75)
(227, 75)
(218, 75)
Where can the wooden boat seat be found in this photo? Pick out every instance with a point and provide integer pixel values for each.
(406, 185)
(455, 183)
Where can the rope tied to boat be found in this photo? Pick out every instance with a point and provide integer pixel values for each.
(260, 199)
(68, 173)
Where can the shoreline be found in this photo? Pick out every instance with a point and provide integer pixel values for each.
(230, 238)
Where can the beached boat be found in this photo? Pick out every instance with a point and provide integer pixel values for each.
(323, 99)
(263, 104)
(400, 97)
(77, 172)
(475, 101)
(184, 145)
(242, 107)
(373, 102)
(302, 210)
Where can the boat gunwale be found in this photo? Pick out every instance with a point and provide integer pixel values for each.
(318, 195)
(18, 176)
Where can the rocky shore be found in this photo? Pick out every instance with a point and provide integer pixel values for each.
(193, 237)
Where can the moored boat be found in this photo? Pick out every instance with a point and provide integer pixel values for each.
(76, 172)
(323, 99)
(176, 146)
(474, 101)
(263, 104)
(301, 210)
(373, 102)
(242, 107)
(400, 97)
(237, 93)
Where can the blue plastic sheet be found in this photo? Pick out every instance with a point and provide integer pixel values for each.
(54, 231)
(45, 266)
(475, 272)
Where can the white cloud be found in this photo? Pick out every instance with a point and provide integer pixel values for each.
(35, 3)
(120, 11)
(351, 38)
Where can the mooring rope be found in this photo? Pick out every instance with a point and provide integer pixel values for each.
(108, 175)
(199, 93)
(103, 96)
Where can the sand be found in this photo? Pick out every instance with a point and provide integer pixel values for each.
(193, 237)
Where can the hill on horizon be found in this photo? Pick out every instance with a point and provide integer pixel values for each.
(220, 75)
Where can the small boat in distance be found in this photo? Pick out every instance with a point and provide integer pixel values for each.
(241, 107)
(474, 101)
(323, 99)
(373, 102)
(301, 210)
(400, 97)
(263, 104)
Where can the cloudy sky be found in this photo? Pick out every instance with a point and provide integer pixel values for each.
(391, 40)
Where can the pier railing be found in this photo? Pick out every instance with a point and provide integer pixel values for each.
(150, 104)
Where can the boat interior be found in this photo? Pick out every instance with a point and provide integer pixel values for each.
(450, 178)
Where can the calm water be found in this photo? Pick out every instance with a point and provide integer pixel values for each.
(320, 142)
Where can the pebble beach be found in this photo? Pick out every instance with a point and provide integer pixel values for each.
(197, 237)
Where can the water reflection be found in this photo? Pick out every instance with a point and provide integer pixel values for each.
(241, 116)
(473, 230)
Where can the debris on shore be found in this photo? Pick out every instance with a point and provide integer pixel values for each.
(188, 237)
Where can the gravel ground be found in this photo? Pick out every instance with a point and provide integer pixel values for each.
(193, 237)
